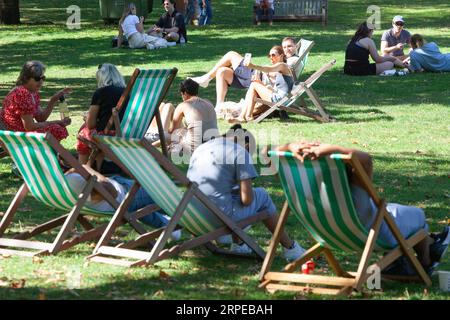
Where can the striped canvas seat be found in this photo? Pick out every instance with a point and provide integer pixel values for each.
(147, 93)
(39, 167)
(318, 193)
(197, 219)
(185, 203)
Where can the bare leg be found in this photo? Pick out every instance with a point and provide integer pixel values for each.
(230, 60)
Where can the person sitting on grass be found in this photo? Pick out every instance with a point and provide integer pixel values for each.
(408, 219)
(394, 39)
(426, 56)
(357, 54)
(223, 169)
(118, 187)
(111, 86)
(276, 83)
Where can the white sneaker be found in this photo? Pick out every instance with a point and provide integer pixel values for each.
(228, 238)
(176, 235)
(171, 44)
(242, 249)
(294, 253)
(202, 81)
(149, 46)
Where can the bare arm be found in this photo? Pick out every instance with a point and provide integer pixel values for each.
(140, 25)
(246, 191)
(369, 44)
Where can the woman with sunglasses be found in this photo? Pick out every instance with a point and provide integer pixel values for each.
(22, 106)
(357, 54)
(276, 82)
(394, 39)
(110, 87)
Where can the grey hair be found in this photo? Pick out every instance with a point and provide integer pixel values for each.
(31, 69)
(107, 75)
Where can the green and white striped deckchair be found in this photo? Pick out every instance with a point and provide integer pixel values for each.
(318, 192)
(188, 208)
(288, 103)
(35, 157)
(145, 92)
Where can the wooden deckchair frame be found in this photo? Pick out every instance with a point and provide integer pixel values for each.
(344, 283)
(114, 119)
(127, 250)
(67, 221)
(296, 93)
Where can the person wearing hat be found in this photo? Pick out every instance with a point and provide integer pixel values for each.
(394, 39)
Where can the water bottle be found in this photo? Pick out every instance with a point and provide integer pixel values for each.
(63, 108)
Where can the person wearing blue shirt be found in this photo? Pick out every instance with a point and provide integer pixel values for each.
(426, 56)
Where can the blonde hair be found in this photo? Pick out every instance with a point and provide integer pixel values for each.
(108, 75)
(31, 69)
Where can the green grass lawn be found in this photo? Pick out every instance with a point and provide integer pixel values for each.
(402, 121)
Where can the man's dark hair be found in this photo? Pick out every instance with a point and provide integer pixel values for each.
(189, 86)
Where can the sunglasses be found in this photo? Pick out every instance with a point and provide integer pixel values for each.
(271, 55)
(37, 79)
(400, 24)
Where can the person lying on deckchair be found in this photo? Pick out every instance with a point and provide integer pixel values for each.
(408, 219)
(118, 187)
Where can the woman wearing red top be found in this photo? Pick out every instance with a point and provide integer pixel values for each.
(22, 109)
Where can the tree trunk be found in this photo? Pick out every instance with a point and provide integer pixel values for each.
(9, 12)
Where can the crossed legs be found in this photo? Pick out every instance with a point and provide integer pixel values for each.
(256, 90)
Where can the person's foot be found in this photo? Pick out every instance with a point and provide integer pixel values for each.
(203, 81)
(241, 249)
(440, 246)
(294, 252)
(258, 23)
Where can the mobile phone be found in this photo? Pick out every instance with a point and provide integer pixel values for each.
(247, 58)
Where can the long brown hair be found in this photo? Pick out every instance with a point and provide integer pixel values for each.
(31, 69)
(280, 51)
(362, 32)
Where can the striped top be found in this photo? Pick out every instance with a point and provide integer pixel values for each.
(318, 192)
